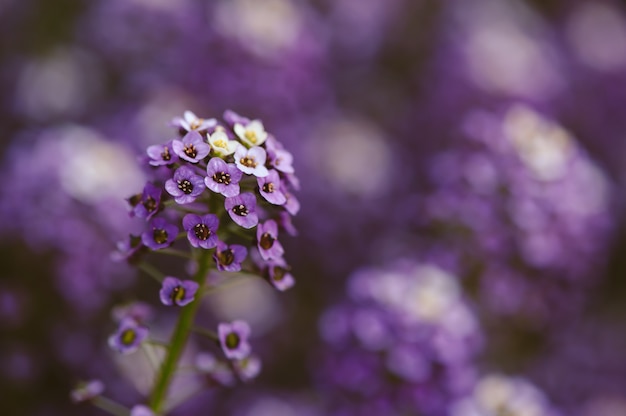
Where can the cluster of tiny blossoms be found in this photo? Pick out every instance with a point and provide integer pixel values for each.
(220, 197)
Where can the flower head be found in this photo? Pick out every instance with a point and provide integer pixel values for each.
(252, 134)
(229, 257)
(162, 154)
(267, 240)
(270, 188)
(160, 235)
(234, 339)
(177, 292)
(251, 161)
(190, 122)
(185, 186)
(242, 209)
(221, 144)
(128, 337)
(191, 147)
(148, 203)
(222, 178)
(201, 230)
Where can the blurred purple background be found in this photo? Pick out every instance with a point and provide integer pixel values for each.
(462, 184)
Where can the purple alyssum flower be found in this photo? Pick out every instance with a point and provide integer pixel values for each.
(128, 337)
(232, 118)
(279, 158)
(234, 339)
(279, 275)
(270, 188)
(223, 178)
(229, 257)
(185, 186)
(251, 161)
(160, 235)
(87, 391)
(242, 209)
(189, 121)
(267, 240)
(162, 154)
(141, 410)
(201, 230)
(292, 205)
(148, 202)
(177, 292)
(191, 147)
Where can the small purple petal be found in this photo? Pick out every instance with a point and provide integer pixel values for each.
(242, 209)
(191, 147)
(267, 241)
(223, 178)
(185, 186)
(229, 257)
(270, 188)
(234, 339)
(177, 292)
(201, 230)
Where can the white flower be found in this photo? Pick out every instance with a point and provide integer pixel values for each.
(190, 121)
(253, 134)
(221, 145)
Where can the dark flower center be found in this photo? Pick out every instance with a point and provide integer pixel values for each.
(279, 273)
(178, 293)
(232, 340)
(190, 150)
(241, 210)
(150, 204)
(226, 257)
(165, 154)
(202, 231)
(221, 177)
(267, 241)
(128, 336)
(248, 162)
(159, 236)
(186, 186)
(268, 187)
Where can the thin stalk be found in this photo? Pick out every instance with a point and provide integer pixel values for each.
(178, 339)
(110, 406)
(151, 271)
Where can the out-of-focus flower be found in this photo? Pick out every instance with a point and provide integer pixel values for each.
(234, 339)
(128, 337)
(177, 292)
(87, 391)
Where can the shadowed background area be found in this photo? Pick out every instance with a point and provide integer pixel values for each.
(462, 184)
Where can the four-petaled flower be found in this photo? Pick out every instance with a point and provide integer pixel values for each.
(242, 209)
(234, 339)
(162, 154)
(185, 186)
(201, 230)
(270, 188)
(222, 178)
(251, 161)
(149, 202)
(279, 158)
(252, 134)
(128, 337)
(160, 235)
(229, 257)
(191, 147)
(177, 292)
(279, 275)
(221, 144)
(267, 240)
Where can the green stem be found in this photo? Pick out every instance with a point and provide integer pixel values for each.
(179, 339)
(151, 271)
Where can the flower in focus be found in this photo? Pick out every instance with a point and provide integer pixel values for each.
(162, 154)
(229, 257)
(148, 203)
(253, 134)
(267, 240)
(191, 147)
(189, 121)
(222, 178)
(201, 230)
(160, 235)
(185, 186)
(251, 161)
(270, 188)
(242, 209)
(220, 143)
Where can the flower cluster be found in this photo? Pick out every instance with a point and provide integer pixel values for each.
(219, 198)
(404, 342)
